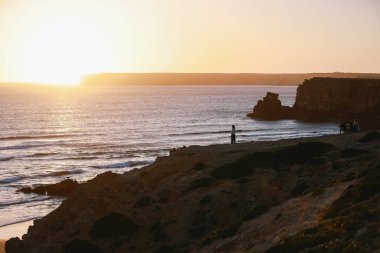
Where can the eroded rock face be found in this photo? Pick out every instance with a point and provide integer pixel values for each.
(327, 99)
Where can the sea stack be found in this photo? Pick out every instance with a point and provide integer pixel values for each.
(270, 108)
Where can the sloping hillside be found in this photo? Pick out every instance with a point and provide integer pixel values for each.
(301, 195)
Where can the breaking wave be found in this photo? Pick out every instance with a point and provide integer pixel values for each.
(123, 165)
(26, 146)
(9, 180)
(4, 159)
(28, 137)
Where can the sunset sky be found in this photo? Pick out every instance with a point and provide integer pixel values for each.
(57, 40)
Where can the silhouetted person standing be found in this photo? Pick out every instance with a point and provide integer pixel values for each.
(233, 135)
(355, 126)
(342, 127)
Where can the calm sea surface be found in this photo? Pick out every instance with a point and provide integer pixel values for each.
(48, 135)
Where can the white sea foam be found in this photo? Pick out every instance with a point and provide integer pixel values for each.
(25, 146)
(9, 180)
(123, 164)
(4, 159)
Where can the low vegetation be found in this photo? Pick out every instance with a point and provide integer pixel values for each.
(302, 153)
(112, 225)
(351, 224)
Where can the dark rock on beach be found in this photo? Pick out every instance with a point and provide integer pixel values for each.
(62, 189)
(327, 99)
(317, 194)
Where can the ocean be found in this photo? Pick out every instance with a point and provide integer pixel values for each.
(50, 134)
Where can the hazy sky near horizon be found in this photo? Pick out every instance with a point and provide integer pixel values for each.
(57, 40)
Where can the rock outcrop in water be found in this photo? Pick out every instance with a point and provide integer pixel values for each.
(328, 99)
(62, 189)
(270, 108)
(317, 194)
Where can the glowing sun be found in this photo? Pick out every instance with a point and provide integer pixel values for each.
(61, 52)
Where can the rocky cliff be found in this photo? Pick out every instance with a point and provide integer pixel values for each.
(328, 99)
(303, 195)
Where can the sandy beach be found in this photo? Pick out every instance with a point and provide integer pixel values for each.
(13, 230)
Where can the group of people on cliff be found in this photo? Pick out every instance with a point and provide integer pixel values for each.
(348, 126)
(343, 128)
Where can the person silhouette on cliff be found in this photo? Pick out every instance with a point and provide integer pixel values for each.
(342, 127)
(233, 135)
(355, 126)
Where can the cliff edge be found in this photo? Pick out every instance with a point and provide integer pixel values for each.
(317, 194)
(328, 99)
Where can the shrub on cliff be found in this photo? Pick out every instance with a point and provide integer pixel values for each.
(143, 202)
(302, 153)
(81, 246)
(353, 152)
(373, 136)
(113, 225)
(350, 224)
(202, 182)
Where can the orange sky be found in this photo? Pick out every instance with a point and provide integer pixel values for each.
(56, 41)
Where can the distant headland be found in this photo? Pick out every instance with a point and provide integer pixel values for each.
(211, 78)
